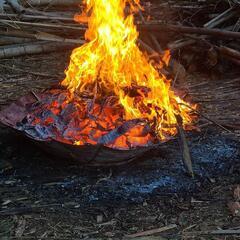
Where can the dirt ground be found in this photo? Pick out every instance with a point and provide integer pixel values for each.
(42, 197)
(36, 203)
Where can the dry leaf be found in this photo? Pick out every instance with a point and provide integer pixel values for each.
(234, 207)
(20, 228)
(236, 193)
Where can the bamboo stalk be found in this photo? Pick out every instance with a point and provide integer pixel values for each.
(50, 16)
(12, 40)
(150, 27)
(44, 25)
(221, 18)
(39, 3)
(32, 48)
(41, 36)
(193, 30)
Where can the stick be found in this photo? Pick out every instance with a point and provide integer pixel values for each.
(207, 118)
(187, 161)
(153, 231)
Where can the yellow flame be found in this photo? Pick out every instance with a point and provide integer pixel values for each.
(112, 62)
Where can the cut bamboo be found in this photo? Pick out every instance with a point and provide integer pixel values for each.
(50, 2)
(12, 40)
(32, 48)
(41, 36)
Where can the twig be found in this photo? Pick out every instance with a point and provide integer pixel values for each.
(207, 118)
(185, 149)
(36, 96)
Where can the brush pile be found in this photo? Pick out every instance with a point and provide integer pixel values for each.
(35, 26)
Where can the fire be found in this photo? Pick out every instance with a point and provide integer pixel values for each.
(111, 65)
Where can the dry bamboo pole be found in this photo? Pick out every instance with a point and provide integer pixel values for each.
(38, 3)
(51, 16)
(229, 13)
(41, 36)
(159, 27)
(12, 40)
(43, 25)
(150, 27)
(32, 48)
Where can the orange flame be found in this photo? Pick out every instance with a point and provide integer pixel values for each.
(111, 64)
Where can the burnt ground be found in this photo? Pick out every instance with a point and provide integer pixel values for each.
(47, 198)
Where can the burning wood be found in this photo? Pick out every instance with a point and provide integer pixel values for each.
(114, 95)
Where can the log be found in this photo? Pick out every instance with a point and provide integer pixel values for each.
(32, 48)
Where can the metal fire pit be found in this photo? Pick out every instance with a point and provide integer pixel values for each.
(91, 155)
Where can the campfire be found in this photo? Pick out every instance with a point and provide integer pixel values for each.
(113, 94)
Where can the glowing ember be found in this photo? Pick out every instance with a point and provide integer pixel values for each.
(111, 64)
(116, 95)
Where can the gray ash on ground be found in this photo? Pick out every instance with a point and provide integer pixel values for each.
(158, 173)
